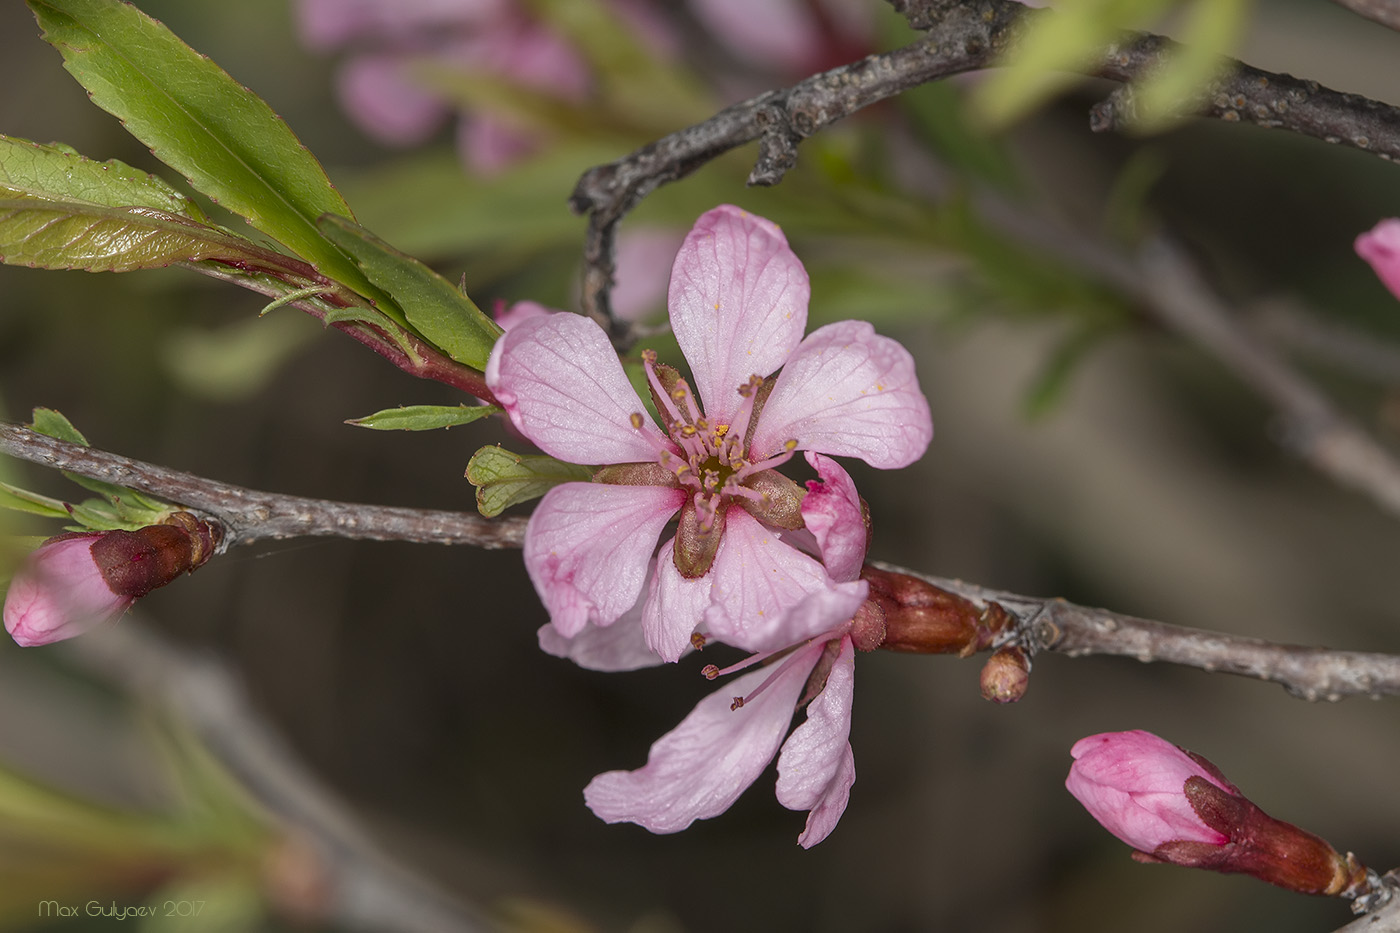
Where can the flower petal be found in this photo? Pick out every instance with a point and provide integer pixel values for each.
(699, 768)
(831, 511)
(760, 599)
(817, 768)
(847, 391)
(588, 545)
(562, 384)
(738, 301)
(1380, 246)
(674, 606)
(617, 647)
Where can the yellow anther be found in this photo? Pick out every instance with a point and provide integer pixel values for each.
(721, 430)
(649, 356)
(790, 445)
(636, 419)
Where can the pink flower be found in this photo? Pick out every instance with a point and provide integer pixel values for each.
(60, 592)
(738, 305)
(792, 36)
(1380, 246)
(1134, 784)
(698, 769)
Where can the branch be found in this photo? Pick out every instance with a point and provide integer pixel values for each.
(962, 36)
(1073, 630)
(249, 515)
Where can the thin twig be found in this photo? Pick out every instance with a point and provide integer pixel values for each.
(1073, 630)
(1353, 351)
(249, 515)
(366, 889)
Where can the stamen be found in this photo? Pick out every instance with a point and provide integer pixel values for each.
(689, 398)
(649, 364)
(709, 671)
(795, 657)
(706, 507)
(697, 641)
(789, 447)
(636, 419)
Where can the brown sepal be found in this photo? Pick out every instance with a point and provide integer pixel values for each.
(635, 474)
(868, 626)
(695, 547)
(922, 618)
(135, 562)
(816, 681)
(781, 506)
(760, 399)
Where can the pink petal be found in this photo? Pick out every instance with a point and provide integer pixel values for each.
(507, 318)
(847, 391)
(588, 545)
(738, 303)
(562, 384)
(328, 23)
(759, 601)
(674, 606)
(617, 647)
(59, 592)
(386, 103)
(1380, 247)
(698, 769)
(831, 510)
(489, 145)
(817, 768)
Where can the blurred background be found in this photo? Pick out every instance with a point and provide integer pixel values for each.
(1080, 451)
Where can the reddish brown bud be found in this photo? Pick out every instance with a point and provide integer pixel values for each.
(920, 617)
(135, 562)
(1006, 675)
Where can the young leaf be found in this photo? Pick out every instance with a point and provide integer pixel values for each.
(22, 500)
(53, 423)
(57, 173)
(435, 307)
(126, 507)
(50, 234)
(503, 479)
(199, 121)
(423, 417)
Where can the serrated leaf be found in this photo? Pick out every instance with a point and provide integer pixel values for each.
(49, 234)
(423, 417)
(435, 307)
(195, 118)
(53, 423)
(503, 479)
(59, 173)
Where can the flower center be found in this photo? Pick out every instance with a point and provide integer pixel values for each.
(710, 459)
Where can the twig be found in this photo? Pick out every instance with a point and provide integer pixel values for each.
(1073, 630)
(1355, 352)
(962, 36)
(367, 890)
(1385, 12)
(249, 515)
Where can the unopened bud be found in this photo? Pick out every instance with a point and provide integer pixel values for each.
(920, 617)
(1174, 806)
(74, 582)
(1006, 675)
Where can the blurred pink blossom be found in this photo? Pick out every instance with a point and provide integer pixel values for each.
(738, 304)
(1380, 246)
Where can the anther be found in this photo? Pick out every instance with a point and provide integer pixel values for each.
(709, 671)
(636, 419)
(738, 702)
(697, 641)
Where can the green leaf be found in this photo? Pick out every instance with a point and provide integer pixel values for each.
(22, 500)
(58, 173)
(200, 122)
(423, 417)
(47, 234)
(52, 423)
(503, 479)
(433, 306)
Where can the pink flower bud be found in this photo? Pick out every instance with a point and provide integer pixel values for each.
(75, 582)
(1132, 783)
(59, 592)
(1380, 246)
(1174, 806)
